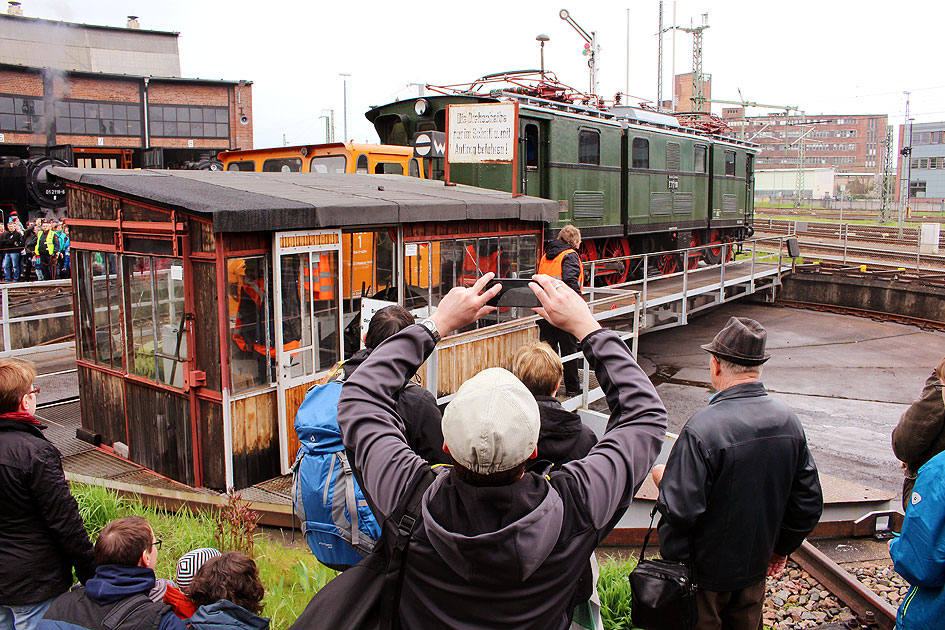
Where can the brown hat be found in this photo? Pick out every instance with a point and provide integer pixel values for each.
(742, 341)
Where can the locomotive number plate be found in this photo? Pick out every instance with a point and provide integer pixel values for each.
(672, 182)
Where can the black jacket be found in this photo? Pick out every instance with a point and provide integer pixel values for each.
(741, 483)
(417, 409)
(29, 243)
(562, 437)
(11, 242)
(508, 556)
(570, 266)
(41, 532)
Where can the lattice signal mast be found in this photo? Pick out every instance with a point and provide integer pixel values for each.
(698, 78)
(887, 175)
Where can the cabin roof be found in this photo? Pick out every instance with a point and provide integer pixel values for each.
(267, 202)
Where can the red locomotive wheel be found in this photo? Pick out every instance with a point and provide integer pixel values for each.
(713, 255)
(669, 263)
(694, 257)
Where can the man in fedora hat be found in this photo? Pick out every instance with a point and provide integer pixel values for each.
(740, 490)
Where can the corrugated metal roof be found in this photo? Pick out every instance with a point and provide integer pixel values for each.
(267, 202)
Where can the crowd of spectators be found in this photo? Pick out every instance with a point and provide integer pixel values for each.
(39, 250)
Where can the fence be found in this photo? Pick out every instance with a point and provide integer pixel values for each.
(35, 316)
(871, 205)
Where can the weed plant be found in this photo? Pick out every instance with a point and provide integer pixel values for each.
(613, 587)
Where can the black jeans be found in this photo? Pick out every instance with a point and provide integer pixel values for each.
(564, 344)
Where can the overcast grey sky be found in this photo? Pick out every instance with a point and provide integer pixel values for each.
(826, 56)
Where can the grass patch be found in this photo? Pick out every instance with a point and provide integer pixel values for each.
(290, 575)
(614, 590)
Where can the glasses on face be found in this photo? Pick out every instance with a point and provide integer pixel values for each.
(35, 390)
(939, 386)
(157, 544)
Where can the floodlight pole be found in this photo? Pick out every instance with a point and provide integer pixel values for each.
(344, 78)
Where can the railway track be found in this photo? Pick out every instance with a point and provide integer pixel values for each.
(868, 606)
(846, 231)
(850, 215)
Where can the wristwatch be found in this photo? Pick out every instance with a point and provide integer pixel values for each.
(430, 325)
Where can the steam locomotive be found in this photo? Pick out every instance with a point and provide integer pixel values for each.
(27, 188)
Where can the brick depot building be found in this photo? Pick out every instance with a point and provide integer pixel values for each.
(111, 97)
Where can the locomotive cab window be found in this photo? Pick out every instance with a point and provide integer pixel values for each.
(328, 164)
(749, 167)
(388, 168)
(282, 165)
(588, 146)
(698, 159)
(362, 164)
(730, 163)
(245, 165)
(413, 167)
(531, 147)
(641, 153)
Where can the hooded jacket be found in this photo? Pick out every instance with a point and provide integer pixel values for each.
(740, 483)
(920, 434)
(562, 437)
(919, 551)
(417, 408)
(570, 266)
(509, 556)
(113, 585)
(225, 615)
(41, 532)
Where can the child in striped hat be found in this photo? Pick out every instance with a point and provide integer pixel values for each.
(175, 595)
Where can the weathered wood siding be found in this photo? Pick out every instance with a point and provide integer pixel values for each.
(102, 405)
(247, 241)
(210, 426)
(293, 400)
(84, 204)
(201, 236)
(206, 327)
(160, 435)
(476, 351)
(255, 423)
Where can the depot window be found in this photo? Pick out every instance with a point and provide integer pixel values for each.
(251, 328)
(588, 146)
(98, 298)
(184, 121)
(431, 269)
(21, 113)
(328, 164)
(730, 163)
(98, 118)
(154, 318)
(640, 153)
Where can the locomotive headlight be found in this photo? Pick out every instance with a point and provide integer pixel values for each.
(420, 106)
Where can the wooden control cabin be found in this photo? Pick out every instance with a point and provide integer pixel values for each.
(207, 303)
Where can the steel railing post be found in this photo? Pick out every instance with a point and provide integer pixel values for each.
(754, 252)
(846, 237)
(636, 326)
(7, 345)
(685, 287)
(593, 280)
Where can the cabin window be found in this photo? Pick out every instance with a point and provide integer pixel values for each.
(413, 167)
(282, 165)
(251, 328)
(730, 163)
(749, 167)
(698, 159)
(588, 146)
(672, 156)
(362, 164)
(245, 165)
(99, 325)
(154, 313)
(640, 153)
(459, 263)
(328, 164)
(398, 134)
(531, 147)
(388, 168)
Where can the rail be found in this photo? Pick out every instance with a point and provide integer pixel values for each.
(861, 600)
(35, 316)
(844, 231)
(458, 357)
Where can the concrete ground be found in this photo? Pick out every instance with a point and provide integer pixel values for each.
(848, 378)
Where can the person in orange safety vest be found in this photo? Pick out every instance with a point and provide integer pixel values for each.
(562, 260)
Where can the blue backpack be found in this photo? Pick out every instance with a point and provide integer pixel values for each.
(337, 523)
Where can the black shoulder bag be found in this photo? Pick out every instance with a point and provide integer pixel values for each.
(367, 596)
(663, 593)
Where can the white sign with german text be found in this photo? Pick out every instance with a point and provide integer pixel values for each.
(481, 132)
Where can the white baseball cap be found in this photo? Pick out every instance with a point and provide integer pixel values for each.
(492, 423)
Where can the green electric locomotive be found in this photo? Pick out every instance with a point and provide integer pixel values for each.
(632, 179)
